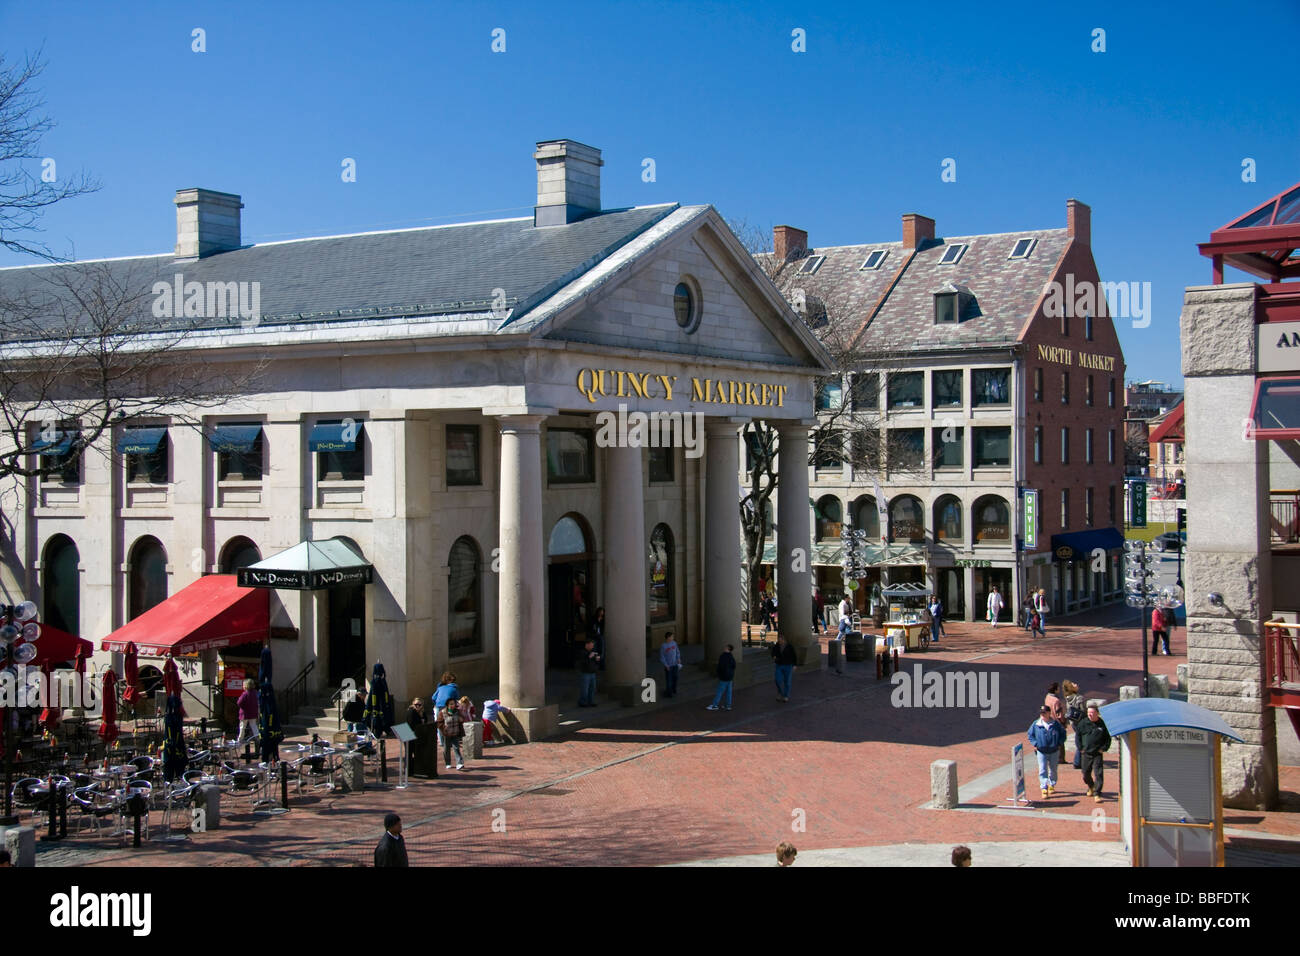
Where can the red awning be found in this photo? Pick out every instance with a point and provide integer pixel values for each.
(1169, 430)
(214, 611)
(58, 647)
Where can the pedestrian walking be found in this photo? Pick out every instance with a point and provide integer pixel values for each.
(453, 729)
(846, 615)
(818, 622)
(1053, 700)
(1040, 606)
(246, 707)
(995, 606)
(1036, 623)
(769, 612)
(785, 854)
(1094, 739)
(1171, 621)
(1027, 613)
(1158, 633)
(588, 664)
(1073, 714)
(785, 658)
(1046, 736)
(726, 679)
(670, 656)
(936, 619)
(598, 634)
(391, 850)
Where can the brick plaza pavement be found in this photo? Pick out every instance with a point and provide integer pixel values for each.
(676, 784)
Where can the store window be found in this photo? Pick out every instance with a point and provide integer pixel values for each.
(947, 520)
(660, 566)
(866, 518)
(240, 450)
(991, 520)
(947, 388)
(992, 447)
(463, 455)
(907, 519)
(906, 390)
(949, 444)
(830, 517)
(569, 455)
(464, 599)
(144, 452)
(991, 386)
(340, 451)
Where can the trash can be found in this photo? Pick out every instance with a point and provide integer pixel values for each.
(855, 647)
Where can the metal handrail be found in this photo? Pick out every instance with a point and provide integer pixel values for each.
(295, 693)
(336, 699)
(1281, 654)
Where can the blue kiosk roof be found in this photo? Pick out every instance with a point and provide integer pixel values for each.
(1127, 715)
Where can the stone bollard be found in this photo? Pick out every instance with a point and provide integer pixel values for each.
(210, 803)
(1130, 692)
(1158, 685)
(21, 844)
(943, 784)
(1182, 670)
(354, 773)
(471, 745)
(1097, 702)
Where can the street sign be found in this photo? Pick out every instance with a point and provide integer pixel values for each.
(1137, 491)
(1031, 519)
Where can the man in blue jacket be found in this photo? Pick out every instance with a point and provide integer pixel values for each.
(1048, 736)
(726, 678)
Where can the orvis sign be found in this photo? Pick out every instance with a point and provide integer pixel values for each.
(304, 580)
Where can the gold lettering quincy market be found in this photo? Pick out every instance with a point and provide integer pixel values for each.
(610, 383)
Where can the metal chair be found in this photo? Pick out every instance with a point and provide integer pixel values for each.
(143, 763)
(245, 783)
(179, 799)
(24, 798)
(93, 805)
(317, 767)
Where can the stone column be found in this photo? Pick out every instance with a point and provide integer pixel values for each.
(521, 629)
(721, 539)
(1229, 549)
(794, 543)
(625, 573)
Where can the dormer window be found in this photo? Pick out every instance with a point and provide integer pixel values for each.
(952, 255)
(1023, 248)
(954, 304)
(811, 265)
(874, 260)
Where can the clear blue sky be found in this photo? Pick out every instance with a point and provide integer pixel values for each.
(839, 140)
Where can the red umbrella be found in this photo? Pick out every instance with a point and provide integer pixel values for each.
(108, 725)
(49, 715)
(172, 680)
(83, 651)
(131, 676)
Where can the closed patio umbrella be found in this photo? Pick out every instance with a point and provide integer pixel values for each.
(175, 753)
(131, 675)
(172, 681)
(268, 715)
(379, 703)
(108, 723)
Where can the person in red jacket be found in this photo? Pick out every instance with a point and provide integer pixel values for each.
(1159, 631)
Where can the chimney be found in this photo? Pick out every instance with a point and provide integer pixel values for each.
(206, 222)
(1078, 221)
(788, 242)
(568, 182)
(916, 230)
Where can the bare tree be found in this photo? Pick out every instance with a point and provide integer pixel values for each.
(850, 426)
(24, 195)
(82, 351)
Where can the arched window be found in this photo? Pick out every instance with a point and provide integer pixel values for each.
(991, 518)
(660, 567)
(867, 518)
(148, 576)
(906, 519)
(237, 554)
(464, 599)
(947, 519)
(61, 584)
(830, 517)
(567, 537)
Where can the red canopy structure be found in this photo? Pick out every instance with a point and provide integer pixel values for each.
(214, 611)
(1264, 242)
(57, 647)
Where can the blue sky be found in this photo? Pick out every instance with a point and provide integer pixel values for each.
(839, 140)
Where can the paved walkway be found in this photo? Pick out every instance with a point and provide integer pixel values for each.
(837, 767)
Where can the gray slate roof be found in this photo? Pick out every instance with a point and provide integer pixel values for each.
(431, 271)
(1005, 290)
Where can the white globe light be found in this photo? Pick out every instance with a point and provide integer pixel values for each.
(25, 611)
(31, 631)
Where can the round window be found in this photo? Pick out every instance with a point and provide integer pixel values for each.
(686, 306)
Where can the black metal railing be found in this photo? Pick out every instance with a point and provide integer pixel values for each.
(295, 694)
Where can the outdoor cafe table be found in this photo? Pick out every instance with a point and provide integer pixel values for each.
(115, 776)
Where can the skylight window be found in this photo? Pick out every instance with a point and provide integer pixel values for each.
(874, 260)
(811, 265)
(952, 255)
(1023, 248)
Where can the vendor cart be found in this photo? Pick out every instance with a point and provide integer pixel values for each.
(914, 635)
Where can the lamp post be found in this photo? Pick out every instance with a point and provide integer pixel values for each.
(24, 613)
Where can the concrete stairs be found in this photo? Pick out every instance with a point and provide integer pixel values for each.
(318, 716)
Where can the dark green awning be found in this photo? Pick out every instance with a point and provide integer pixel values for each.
(236, 438)
(334, 436)
(141, 441)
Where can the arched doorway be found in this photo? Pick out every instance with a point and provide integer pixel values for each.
(570, 588)
(238, 553)
(61, 584)
(347, 626)
(464, 599)
(147, 571)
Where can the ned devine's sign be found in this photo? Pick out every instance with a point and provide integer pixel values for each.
(304, 580)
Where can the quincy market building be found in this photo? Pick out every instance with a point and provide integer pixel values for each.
(417, 479)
